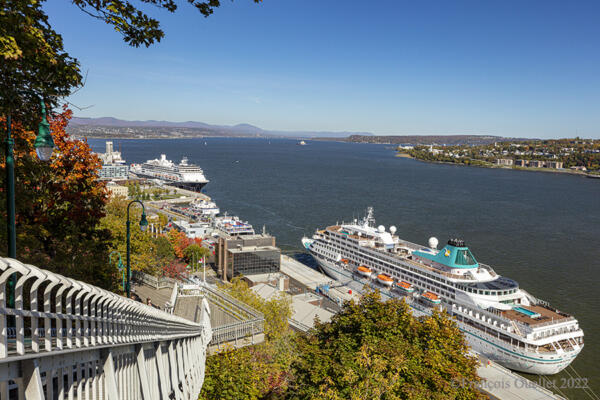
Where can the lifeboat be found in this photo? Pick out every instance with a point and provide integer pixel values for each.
(405, 287)
(431, 297)
(344, 261)
(364, 271)
(385, 280)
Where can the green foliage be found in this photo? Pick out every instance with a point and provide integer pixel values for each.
(195, 253)
(148, 254)
(378, 350)
(33, 63)
(257, 372)
(277, 310)
(136, 27)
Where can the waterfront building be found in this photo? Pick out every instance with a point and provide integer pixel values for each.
(113, 172)
(247, 255)
(505, 161)
(537, 164)
(554, 164)
(521, 163)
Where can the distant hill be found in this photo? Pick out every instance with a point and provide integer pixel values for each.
(114, 128)
(449, 140)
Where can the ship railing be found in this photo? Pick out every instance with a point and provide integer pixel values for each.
(491, 313)
(437, 271)
(488, 269)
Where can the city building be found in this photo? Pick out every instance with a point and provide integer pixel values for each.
(117, 190)
(521, 163)
(113, 172)
(554, 164)
(247, 255)
(537, 164)
(113, 165)
(505, 161)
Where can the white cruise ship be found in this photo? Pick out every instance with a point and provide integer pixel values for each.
(498, 318)
(183, 175)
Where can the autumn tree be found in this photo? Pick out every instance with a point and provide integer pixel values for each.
(59, 206)
(379, 350)
(179, 241)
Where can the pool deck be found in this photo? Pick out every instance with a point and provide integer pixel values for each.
(546, 315)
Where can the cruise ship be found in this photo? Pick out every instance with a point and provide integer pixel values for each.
(183, 175)
(498, 318)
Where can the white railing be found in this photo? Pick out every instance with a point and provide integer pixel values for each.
(67, 339)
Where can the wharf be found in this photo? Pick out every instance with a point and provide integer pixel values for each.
(312, 279)
(499, 383)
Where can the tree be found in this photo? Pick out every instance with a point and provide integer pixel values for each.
(33, 62)
(59, 206)
(194, 253)
(276, 310)
(379, 350)
(256, 372)
(179, 241)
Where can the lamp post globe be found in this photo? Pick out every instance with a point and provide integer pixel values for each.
(44, 144)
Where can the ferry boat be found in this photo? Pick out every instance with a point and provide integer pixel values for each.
(498, 318)
(183, 175)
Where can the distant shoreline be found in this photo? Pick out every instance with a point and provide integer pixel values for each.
(527, 169)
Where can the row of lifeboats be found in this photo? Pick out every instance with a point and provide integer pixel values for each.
(402, 286)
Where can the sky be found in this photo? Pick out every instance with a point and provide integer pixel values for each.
(390, 67)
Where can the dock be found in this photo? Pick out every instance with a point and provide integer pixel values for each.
(499, 383)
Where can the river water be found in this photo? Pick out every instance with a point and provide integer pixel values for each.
(542, 229)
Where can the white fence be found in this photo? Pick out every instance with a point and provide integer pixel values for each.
(65, 339)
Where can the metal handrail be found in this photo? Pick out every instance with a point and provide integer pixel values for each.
(93, 341)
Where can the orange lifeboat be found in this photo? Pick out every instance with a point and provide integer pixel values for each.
(385, 280)
(431, 298)
(344, 260)
(364, 271)
(405, 287)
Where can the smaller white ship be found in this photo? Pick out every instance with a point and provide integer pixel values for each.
(206, 208)
(301, 143)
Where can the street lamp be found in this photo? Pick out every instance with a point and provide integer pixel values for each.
(143, 227)
(44, 145)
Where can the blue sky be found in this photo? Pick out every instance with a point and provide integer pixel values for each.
(511, 68)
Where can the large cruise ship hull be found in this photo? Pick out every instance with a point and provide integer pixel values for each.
(488, 345)
(193, 186)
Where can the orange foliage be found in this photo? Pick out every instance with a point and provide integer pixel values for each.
(179, 241)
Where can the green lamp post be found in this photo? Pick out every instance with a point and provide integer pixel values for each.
(143, 227)
(44, 146)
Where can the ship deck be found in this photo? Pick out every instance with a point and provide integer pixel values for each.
(546, 315)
